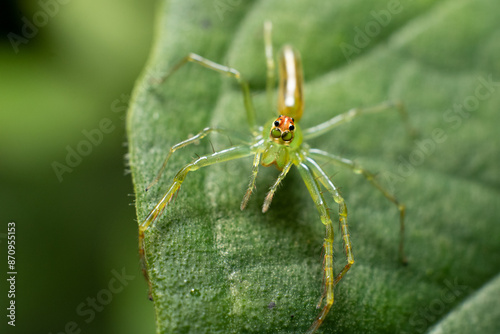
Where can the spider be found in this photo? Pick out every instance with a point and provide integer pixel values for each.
(281, 142)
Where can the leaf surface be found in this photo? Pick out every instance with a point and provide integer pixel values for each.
(217, 269)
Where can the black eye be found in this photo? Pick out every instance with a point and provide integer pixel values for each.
(276, 123)
(293, 120)
(291, 127)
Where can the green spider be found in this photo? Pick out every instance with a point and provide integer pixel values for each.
(280, 142)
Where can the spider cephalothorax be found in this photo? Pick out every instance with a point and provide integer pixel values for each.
(283, 130)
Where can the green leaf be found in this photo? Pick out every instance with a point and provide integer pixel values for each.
(478, 314)
(216, 269)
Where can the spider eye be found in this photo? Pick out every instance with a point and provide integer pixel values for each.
(276, 133)
(287, 136)
(276, 123)
(291, 127)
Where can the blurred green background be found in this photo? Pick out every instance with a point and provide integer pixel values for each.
(73, 232)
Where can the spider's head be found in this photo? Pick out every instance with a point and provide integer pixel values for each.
(282, 130)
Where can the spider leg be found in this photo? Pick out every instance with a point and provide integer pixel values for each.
(202, 134)
(329, 281)
(272, 190)
(232, 153)
(344, 230)
(251, 185)
(370, 177)
(245, 88)
(324, 127)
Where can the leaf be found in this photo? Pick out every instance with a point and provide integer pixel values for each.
(217, 269)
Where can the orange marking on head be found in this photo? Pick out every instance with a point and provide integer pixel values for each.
(283, 129)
